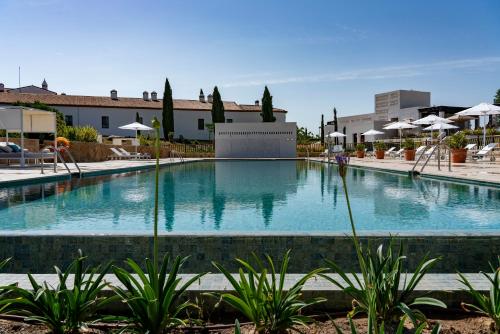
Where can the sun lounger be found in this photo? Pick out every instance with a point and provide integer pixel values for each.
(9, 155)
(388, 152)
(484, 152)
(118, 155)
(397, 153)
(135, 155)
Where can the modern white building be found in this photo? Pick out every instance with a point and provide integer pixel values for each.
(390, 106)
(107, 113)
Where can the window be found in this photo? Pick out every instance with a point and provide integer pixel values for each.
(105, 122)
(201, 124)
(229, 120)
(69, 120)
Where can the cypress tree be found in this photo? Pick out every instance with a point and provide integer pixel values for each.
(217, 108)
(322, 130)
(267, 107)
(335, 124)
(138, 120)
(496, 99)
(167, 114)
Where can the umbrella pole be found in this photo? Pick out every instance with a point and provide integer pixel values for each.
(135, 142)
(484, 130)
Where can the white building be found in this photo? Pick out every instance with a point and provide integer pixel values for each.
(392, 106)
(107, 113)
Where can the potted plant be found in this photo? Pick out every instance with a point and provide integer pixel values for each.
(409, 146)
(379, 149)
(457, 143)
(360, 150)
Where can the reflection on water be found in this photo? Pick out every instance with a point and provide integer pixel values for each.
(249, 196)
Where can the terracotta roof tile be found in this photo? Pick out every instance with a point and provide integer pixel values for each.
(121, 102)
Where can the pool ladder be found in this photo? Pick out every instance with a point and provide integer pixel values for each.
(174, 154)
(59, 155)
(437, 147)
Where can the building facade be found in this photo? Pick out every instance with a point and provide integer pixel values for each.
(399, 105)
(107, 113)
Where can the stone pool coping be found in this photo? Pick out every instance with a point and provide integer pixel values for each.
(442, 286)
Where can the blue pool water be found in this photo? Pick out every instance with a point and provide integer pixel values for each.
(249, 196)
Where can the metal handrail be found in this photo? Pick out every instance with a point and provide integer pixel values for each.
(173, 153)
(58, 155)
(73, 161)
(418, 160)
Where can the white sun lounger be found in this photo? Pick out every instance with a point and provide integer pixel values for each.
(134, 155)
(118, 155)
(485, 151)
(390, 150)
(398, 153)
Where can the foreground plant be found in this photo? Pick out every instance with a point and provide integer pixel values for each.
(260, 295)
(64, 308)
(377, 293)
(154, 298)
(488, 305)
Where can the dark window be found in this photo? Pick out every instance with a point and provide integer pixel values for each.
(201, 124)
(229, 120)
(105, 122)
(355, 138)
(69, 120)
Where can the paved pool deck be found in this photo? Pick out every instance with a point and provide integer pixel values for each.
(482, 171)
(445, 287)
(18, 174)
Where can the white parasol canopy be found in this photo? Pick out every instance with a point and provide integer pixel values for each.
(372, 132)
(137, 127)
(482, 109)
(399, 126)
(431, 119)
(335, 135)
(440, 126)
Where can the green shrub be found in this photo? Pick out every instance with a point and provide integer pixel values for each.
(457, 140)
(486, 304)
(409, 144)
(377, 294)
(360, 147)
(384, 271)
(381, 329)
(155, 298)
(379, 145)
(264, 301)
(77, 133)
(62, 309)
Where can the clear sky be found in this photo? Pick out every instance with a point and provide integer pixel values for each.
(313, 55)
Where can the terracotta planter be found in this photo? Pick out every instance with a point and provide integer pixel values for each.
(380, 154)
(458, 155)
(360, 154)
(410, 155)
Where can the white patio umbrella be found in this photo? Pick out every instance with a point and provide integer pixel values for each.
(335, 134)
(399, 126)
(431, 120)
(482, 109)
(372, 132)
(137, 127)
(440, 126)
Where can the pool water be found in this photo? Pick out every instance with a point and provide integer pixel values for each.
(250, 196)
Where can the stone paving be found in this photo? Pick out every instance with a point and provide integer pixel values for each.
(483, 171)
(217, 282)
(12, 174)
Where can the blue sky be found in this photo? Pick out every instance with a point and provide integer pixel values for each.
(313, 55)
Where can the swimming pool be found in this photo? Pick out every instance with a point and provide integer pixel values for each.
(249, 196)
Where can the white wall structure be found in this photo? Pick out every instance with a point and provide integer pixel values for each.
(256, 140)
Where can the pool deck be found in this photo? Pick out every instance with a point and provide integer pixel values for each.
(442, 286)
(484, 171)
(18, 174)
